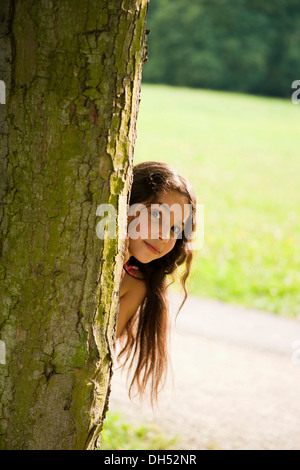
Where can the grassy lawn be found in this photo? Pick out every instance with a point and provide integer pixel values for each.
(118, 434)
(241, 155)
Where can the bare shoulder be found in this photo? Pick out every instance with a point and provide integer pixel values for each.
(132, 293)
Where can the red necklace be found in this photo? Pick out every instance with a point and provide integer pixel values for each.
(130, 269)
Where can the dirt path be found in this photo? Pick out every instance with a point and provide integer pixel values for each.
(235, 382)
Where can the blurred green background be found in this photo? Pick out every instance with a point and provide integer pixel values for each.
(250, 46)
(216, 105)
(241, 155)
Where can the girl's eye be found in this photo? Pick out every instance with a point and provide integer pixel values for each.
(176, 229)
(155, 214)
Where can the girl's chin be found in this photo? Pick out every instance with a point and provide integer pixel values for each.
(143, 253)
(144, 259)
(144, 256)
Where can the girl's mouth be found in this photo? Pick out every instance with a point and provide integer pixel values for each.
(152, 248)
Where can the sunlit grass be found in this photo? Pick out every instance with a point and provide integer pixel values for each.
(241, 155)
(118, 434)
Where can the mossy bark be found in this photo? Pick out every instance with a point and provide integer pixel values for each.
(72, 71)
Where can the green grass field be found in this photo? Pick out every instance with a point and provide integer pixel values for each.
(241, 155)
(120, 435)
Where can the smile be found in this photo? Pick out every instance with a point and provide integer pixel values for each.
(152, 248)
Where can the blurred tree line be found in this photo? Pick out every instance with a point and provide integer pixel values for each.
(250, 46)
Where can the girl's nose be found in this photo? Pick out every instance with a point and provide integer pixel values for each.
(164, 232)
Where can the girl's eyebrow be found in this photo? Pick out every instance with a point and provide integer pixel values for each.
(165, 206)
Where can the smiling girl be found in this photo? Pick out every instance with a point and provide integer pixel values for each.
(161, 221)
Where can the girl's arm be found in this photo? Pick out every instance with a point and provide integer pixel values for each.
(132, 294)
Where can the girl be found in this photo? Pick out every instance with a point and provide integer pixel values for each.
(154, 250)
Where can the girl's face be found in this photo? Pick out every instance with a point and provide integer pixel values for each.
(154, 229)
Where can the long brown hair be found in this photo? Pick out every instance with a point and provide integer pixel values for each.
(144, 338)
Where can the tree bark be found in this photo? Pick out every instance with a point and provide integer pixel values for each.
(72, 71)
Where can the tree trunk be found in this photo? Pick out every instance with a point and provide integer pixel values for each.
(72, 71)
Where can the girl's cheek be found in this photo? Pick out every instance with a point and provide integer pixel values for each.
(139, 227)
(131, 244)
(145, 225)
(171, 245)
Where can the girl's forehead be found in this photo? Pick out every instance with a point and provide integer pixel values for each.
(171, 197)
